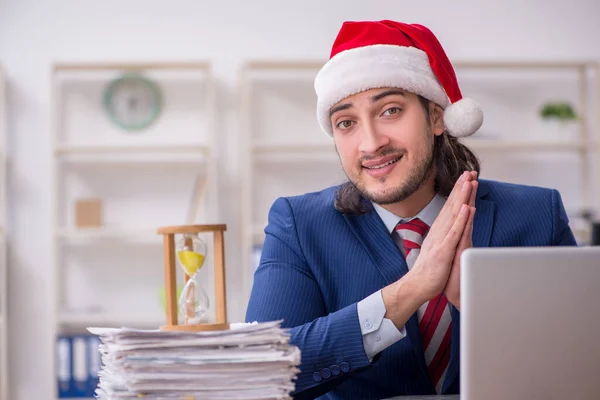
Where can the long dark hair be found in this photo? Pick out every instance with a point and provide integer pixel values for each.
(450, 157)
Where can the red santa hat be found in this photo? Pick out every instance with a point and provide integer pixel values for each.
(376, 54)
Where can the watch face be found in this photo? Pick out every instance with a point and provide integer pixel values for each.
(132, 102)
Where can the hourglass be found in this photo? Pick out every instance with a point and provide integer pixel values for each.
(190, 253)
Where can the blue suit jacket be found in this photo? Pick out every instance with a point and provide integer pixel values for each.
(317, 264)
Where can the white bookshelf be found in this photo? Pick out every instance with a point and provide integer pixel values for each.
(112, 275)
(4, 374)
(286, 153)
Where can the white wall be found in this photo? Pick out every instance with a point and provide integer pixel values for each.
(34, 34)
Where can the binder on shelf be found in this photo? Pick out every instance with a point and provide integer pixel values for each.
(94, 364)
(63, 366)
(78, 362)
(79, 366)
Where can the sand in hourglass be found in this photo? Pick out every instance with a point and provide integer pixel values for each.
(191, 257)
(190, 261)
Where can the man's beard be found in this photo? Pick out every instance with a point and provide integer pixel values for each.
(413, 182)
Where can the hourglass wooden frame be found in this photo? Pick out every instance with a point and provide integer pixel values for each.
(169, 233)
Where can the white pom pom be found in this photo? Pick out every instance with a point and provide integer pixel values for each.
(463, 118)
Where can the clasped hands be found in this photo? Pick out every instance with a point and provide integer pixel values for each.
(437, 266)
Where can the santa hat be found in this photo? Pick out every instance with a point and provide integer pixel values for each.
(376, 54)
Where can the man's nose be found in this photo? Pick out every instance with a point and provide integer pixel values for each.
(371, 139)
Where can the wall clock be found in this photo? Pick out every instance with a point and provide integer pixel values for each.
(132, 101)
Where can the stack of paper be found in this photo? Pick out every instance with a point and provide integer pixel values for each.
(248, 361)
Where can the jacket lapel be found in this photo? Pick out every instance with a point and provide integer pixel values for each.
(482, 233)
(383, 251)
(484, 217)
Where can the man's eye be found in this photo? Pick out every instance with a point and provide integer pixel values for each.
(392, 111)
(344, 124)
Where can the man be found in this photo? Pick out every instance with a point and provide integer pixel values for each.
(367, 274)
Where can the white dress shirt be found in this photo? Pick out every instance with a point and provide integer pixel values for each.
(378, 332)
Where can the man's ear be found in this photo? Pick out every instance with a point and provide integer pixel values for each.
(437, 119)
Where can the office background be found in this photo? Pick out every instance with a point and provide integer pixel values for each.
(229, 36)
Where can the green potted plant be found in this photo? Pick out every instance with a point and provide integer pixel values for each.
(560, 121)
(558, 111)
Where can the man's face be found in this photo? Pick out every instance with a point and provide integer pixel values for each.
(385, 142)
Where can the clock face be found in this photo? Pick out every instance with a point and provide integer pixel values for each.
(132, 102)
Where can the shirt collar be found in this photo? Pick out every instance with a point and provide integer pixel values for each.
(428, 214)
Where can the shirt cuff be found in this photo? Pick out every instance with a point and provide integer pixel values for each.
(378, 332)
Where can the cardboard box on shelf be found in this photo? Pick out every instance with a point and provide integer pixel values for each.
(88, 213)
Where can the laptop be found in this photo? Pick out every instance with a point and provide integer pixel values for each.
(530, 323)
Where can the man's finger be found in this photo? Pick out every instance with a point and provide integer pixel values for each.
(448, 216)
(456, 199)
(466, 239)
(463, 196)
(455, 233)
(457, 186)
(448, 205)
(474, 186)
(466, 176)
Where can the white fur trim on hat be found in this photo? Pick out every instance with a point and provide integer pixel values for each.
(356, 70)
(463, 118)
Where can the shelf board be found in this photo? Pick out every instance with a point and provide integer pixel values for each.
(131, 66)
(109, 233)
(120, 149)
(84, 319)
(136, 155)
(502, 145)
(104, 72)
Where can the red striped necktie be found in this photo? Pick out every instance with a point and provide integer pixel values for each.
(435, 321)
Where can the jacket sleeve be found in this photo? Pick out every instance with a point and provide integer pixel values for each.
(562, 235)
(284, 287)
